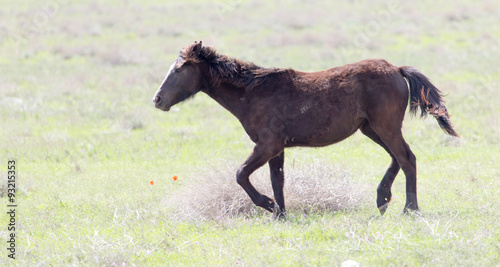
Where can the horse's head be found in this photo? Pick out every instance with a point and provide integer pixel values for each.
(183, 80)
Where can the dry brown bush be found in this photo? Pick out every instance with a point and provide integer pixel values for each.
(315, 187)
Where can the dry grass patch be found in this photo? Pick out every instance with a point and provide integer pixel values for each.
(316, 187)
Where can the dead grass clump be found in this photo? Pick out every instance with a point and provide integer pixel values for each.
(321, 186)
(215, 195)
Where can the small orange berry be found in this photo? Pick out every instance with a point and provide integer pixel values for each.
(175, 178)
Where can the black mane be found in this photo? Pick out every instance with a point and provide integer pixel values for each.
(224, 69)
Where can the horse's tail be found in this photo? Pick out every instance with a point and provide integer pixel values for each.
(425, 95)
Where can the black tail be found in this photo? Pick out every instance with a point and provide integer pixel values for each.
(425, 95)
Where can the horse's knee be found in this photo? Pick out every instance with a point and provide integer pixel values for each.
(240, 177)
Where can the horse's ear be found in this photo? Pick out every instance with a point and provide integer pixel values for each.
(197, 48)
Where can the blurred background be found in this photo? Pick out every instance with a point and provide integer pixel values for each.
(71, 69)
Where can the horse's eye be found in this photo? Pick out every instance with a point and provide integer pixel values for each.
(178, 70)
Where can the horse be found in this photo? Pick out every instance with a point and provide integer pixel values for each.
(281, 108)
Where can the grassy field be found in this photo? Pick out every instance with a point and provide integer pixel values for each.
(76, 83)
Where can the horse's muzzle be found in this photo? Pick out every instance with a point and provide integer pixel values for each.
(160, 103)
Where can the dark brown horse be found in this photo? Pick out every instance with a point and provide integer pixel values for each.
(282, 108)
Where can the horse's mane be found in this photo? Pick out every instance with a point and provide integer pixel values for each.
(225, 69)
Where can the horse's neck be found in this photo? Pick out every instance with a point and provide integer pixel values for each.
(230, 97)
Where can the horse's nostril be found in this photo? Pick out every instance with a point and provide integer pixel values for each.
(157, 99)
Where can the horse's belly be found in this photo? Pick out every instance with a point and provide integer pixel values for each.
(320, 134)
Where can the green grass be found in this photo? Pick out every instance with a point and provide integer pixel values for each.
(76, 113)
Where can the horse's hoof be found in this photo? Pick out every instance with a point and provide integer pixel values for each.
(267, 203)
(277, 212)
(383, 208)
(383, 200)
(276, 209)
(411, 208)
(415, 212)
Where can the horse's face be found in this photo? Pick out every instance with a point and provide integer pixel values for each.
(183, 80)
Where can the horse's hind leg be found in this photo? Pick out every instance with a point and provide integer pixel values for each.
(384, 188)
(390, 134)
(408, 163)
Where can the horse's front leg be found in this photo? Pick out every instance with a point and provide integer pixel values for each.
(260, 155)
(278, 181)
